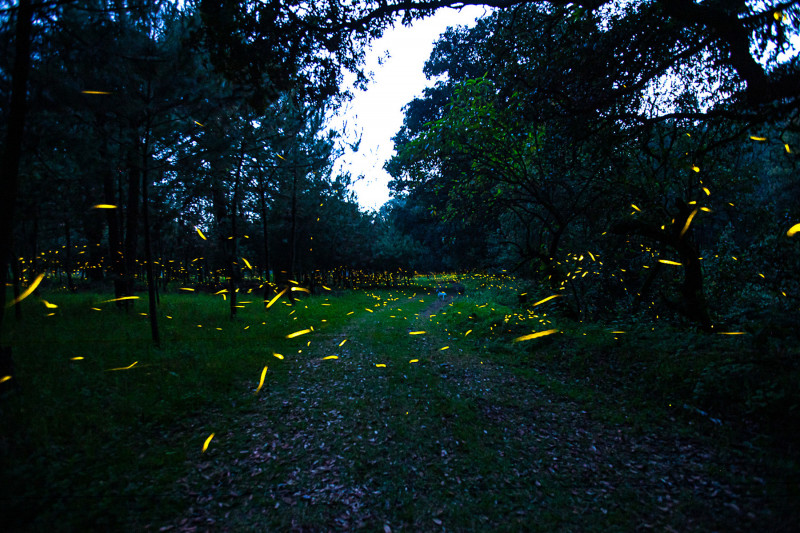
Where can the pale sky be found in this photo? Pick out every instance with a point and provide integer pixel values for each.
(377, 113)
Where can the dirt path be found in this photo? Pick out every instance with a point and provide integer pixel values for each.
(453, 442)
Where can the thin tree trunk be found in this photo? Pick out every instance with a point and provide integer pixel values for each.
(232, 263)
(263, 205)
(148, 252)
(132, 235)
(15, 272)
(114, 242)
(68, 256)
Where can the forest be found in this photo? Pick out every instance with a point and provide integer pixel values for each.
(584, 289)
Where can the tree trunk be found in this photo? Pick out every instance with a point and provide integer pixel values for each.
(132, 234)
(12, 151)
(116, 259)
(148, 252)
(233, 271)
(68, 256)
(17, 275)
(263, 205)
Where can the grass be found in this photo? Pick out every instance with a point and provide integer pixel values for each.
(565, 432)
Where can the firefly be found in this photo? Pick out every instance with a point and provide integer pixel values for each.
(261, 382)
(27, 291)
(208, 440)
(535, 335)
(298, 333)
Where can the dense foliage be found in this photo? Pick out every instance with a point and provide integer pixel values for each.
(614, 154)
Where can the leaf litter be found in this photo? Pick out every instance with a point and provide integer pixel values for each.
(411, 448)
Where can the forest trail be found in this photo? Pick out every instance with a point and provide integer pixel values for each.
(374, 441)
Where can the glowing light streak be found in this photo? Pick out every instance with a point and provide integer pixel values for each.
(380, 365)
(330, 357)
(444, 348)
(275, 298)
(416, 332)
(546, 299)
(341, 343)
(49, 305)
(200, 233)
(4, 379)
(104, 206)
(793, 230)
(688, 221)
(753, 137)
(246, 262)
(123, 367)
(95, 92)
(27, 291)
(634, 206)
(78, 358)
(668, 262)
(261, 381)
(298, 333)
(279, 356)
(535, 335)
(468, 332)
(208, 440)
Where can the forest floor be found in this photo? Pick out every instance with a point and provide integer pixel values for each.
(454, 442)
(409, 431)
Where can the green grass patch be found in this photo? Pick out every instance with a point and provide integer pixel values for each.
(363, 424)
